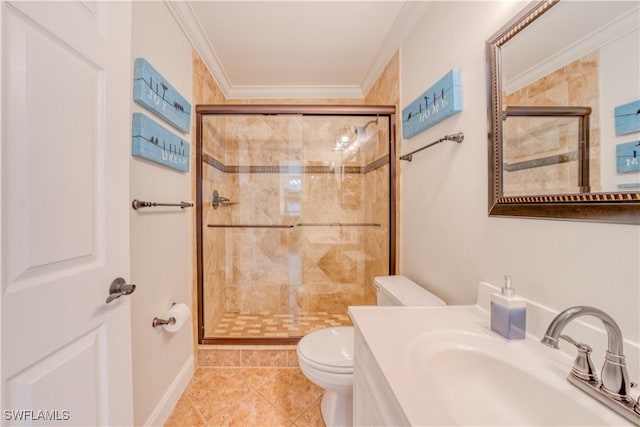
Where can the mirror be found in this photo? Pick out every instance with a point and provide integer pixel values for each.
(564, 112)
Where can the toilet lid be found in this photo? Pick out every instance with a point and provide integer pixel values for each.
(329, 347)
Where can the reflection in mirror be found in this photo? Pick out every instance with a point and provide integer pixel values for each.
(545, 151)
(554, 58)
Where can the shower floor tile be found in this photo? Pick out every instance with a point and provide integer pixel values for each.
(276, 324)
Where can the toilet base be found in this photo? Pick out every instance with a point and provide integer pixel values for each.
(337, 409)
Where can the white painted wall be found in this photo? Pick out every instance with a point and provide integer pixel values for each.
(160, 237)
(449, 244)
(619, 85)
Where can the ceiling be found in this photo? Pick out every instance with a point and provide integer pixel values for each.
(558, 37)
(296, 49)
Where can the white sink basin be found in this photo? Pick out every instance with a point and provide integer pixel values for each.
(444, 366)
(475, 379)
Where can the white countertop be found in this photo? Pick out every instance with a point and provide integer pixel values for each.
(391, 333)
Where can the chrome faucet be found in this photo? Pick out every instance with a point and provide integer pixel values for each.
(613, 388)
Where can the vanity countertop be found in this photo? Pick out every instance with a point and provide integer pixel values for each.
(401, 339)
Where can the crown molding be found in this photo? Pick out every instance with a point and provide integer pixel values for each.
(593, 41)
(184, 15)
(299, 91)
(410, 14)
(190, 25)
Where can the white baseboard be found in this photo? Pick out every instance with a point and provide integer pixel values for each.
(169, 399)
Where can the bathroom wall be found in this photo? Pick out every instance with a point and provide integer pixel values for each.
(532, 138)
(449, 243)
(160, 237)
(620, 85)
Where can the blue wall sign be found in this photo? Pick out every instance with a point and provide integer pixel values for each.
(628, 118)
(628, 157)
(153, 142)
(152, 91)
(440, 101)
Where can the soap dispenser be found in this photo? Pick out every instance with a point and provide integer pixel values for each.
(508, 312)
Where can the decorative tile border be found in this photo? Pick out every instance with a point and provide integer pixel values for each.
(213, 162)
(542, 161)
(295, 169)
(382, 161)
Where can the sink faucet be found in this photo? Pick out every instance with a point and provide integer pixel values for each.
(613, 388)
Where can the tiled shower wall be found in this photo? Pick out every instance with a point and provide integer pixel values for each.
(205, 91)
(385, 91)
(529, 139)
(294, 178)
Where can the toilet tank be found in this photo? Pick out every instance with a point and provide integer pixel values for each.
(398, 290)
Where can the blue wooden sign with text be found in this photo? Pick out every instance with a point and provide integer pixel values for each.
(628, 157)
(152, 91)
(440, 101)
(628, 118)
(153, 142)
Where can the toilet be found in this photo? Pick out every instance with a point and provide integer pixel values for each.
(325, 356)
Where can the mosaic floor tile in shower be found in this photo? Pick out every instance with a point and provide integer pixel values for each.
(276, 325)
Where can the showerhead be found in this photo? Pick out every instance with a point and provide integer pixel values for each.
(363, 129)
(350, 138)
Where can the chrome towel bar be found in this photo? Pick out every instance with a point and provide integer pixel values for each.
(137, 204)
(457, 137)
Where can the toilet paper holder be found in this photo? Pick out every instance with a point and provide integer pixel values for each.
(157, 321)
(161, 322)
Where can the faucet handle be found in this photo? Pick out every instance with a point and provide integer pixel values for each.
(583, 366)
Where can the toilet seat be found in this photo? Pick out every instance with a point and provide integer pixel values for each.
(328, 350)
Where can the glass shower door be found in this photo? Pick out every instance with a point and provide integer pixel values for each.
(295, 222)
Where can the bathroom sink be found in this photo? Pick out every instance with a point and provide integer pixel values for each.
(476, 379)
(444, 366)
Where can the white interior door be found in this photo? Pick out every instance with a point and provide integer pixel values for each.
(65, 116)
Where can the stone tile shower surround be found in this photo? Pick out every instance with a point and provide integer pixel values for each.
(205, 91)
(529, 139)
(281, 170)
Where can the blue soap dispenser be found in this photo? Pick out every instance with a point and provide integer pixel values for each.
(508, 312)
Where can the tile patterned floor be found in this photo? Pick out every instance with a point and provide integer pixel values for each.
(248, 396)
(276, 325)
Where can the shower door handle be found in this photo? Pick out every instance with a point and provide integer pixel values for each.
(217, 200)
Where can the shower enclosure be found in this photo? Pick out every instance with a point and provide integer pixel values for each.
(295, 217)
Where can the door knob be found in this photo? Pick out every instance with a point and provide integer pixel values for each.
(118, 288)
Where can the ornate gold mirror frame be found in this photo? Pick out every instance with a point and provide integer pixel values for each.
(613, 207)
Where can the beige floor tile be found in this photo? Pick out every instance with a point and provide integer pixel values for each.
(254, 396)
(290, 391)
(292, 358)
(312, 417)
(215, 389)
(257, 377)
(184, 414)
(253, 410)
